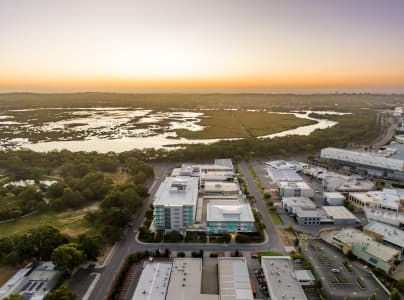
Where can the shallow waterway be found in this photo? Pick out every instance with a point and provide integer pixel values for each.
(123, 143)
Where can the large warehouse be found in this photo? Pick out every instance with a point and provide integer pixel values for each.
(370, 162)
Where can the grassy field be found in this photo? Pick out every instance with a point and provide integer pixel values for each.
(71, 223)
(275, 218)
(242, 124)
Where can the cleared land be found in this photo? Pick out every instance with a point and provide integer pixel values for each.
(242, 124)
(70, 222)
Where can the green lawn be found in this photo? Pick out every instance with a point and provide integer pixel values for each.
(71, 223)
(275, 218)
(242, 124)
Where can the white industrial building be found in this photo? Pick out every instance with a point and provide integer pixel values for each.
(277, 175)
(337, 215)
(234, 280)
(295, 189)
(389, 235)
(32, 282)
(175, 203)
(370, 162)
(340, 215)
(229, 216)
(365, 247)
(281, 279)
(389, 217)
(291, 203)
(182, 280)
(221, 187)
(186, 280)
(387, 199)
(334, 198)
(153, 282)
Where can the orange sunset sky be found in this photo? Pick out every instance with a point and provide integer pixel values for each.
(182, 45)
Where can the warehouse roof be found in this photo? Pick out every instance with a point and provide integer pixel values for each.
(234, 280)
(221, 187)
(339, 213)
(186, 279)
(281, 279)
(277, 175)
(390, 234)
(365, 158)
(353, 236)
(298, 202)
(153, 282)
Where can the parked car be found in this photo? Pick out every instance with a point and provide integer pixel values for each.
(335, 270)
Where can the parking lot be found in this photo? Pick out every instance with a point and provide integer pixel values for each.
(339, 276)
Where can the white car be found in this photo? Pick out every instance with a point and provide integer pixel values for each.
(335, 270)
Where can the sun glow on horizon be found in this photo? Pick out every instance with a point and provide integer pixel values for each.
(154, 44)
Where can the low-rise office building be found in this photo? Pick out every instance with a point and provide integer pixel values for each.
(234, 280)
(295, 189)
(387, 199)
(278, 175)
(311, 216)
(340, 215)
(229, 216)
(221, 188)
(337, 215)
(285, 165)
(281, 279)
(291, 203)
(387, 234)
(346, 184)
(175, 203)
(365, 248)
(334, 198)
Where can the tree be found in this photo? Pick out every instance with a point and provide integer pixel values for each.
(394, 295)
(61, 293)
(400, 285)
(44, 240)
(372, 297)
(91, 245)
(68, 256)
(14, 297)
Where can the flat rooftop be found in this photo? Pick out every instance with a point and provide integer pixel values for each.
(185, 281)
(177, 191)
(221, 187)
(153, 281)
(229, 211)
(283, 175)
(333, 195)
(284, 165)
(387, 197)
(339, 213)
(293, 185)
(384, 216)
(298, 202)
(371, 159)
(302, 212)
(352, 236)
(281, 279)
(390, 234)
(226, 162)
(234, 280)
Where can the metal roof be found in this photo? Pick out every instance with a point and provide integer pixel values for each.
(177, 191)
(281, 279)
(234, 280)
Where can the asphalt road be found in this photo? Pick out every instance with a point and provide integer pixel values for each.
(129, 244)
(274, 241)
